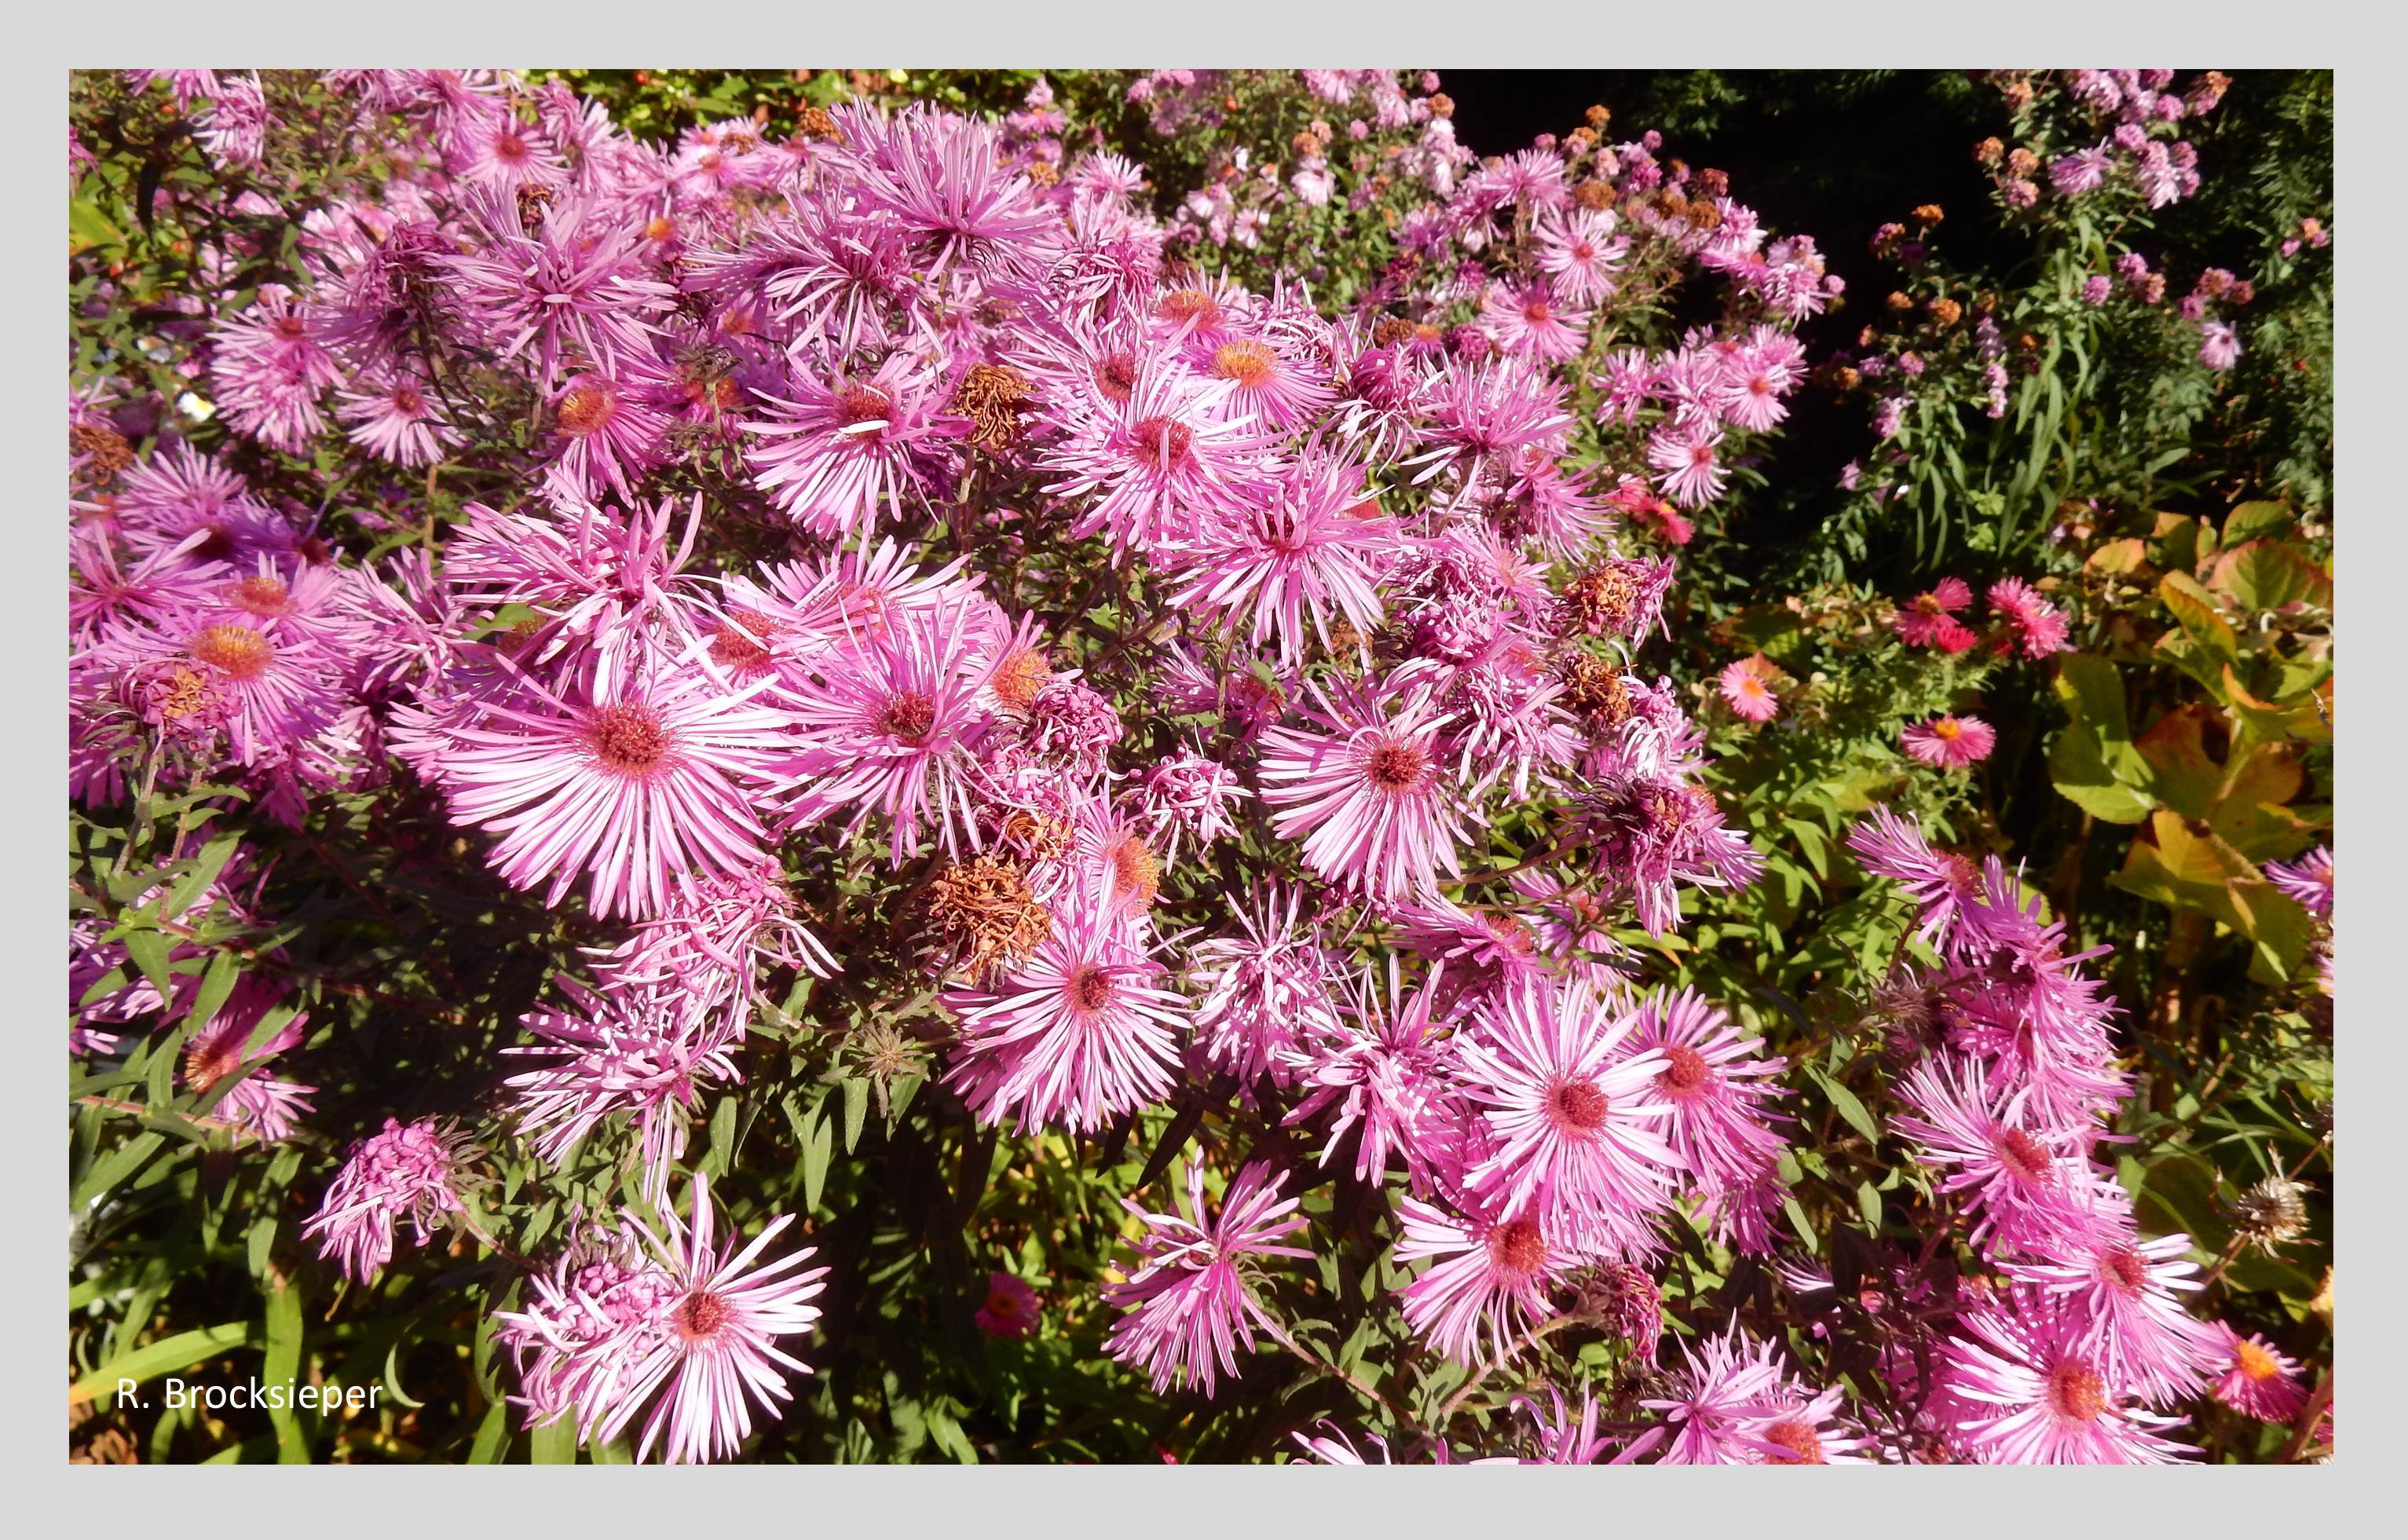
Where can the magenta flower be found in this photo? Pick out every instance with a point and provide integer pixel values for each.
(1190, 1304)
(2254, 1378)
(2035, 627)
(2308, 880)
(1949, 742)
(1747, 687)
(1387, 1070)
(1283, 568)
(641, 785)
(1011, 1308)
(1263, 994)
(1491, 1285)
(409, 1172)
(1930, 620)
(2127, 1300)
(2023, 1180)
(1574, 1117)
(838, 452)
(2018, 1389)
(642, 1052)
(890, 724)
(1685, 459)
(1080, 1032)
(1363, 785)
(694, 1340)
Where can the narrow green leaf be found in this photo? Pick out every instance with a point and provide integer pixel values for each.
(555, 1442)
(165, 1357)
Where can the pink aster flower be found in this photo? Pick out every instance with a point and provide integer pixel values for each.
(2219, 345)
(1949, 742)
(1686, 458)
(642, 784)
(1747, 687)
(2022, 1180)
(1930, 620)
(225, 1060)
(1010, 1309)
(644, 1052)
(1387, 1070)
(1717, 1081)
(1262, 993)
(1530, 321)
(2035, 627)
(1190, 1304)
(711, 1348)
(891, 725)
(2018, 1388)
(1270, 387)
(1284, 567)
(1489, 1288)
(2308, 880)
(576, 287)
(1363, 785)
(1579, 253)
(2255, 1378)
(409, 1172)
(1940, 884)
(1736, 1406)
(1574, 1115)
(1082, 1032)
(2126, 1298)
(606, 433)
(1159, 449)
(838, 451)
(1189, 797)
(393, 417)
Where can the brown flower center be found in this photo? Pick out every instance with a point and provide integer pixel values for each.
(1395, 767)
(1190, 305)
(1116, 377)
(1136, 875)
(1798, 1439)
(1577, 1106)
(2023, 1155)
(2076, 1392)
(585, 408)
(909, 718)
(1091, 987)
(1684, 1068)
(260, 594)
(1020, 677)
(1517, 1247)
(700, 1316)
(857, 403)
(1163, 442)
(2124, 1269)
(628, 738)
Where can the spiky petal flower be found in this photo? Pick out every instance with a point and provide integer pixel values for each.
(1576, 1116)
(640, 784)
(1080, 1032)
(1949, 742)
(2016, 1387)
(2257, 1378)
(1363, 784)
(1491, 1285)
(1190, 1306)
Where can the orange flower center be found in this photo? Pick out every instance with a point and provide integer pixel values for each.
(234, 650)
(628, 738)
(1250, 364)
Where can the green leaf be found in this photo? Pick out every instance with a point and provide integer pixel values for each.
(205, 870)
(2270, 574)
(2256, 521)
(2094, 763)
(88, 228)
(286, 1328)
(492, 1436)
(1869, 1203)
(1844, 1103)
(148, 949)
(180, 1351)
(216, 985)
(817, 1148)
(2194, 610)
(555, 1442)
